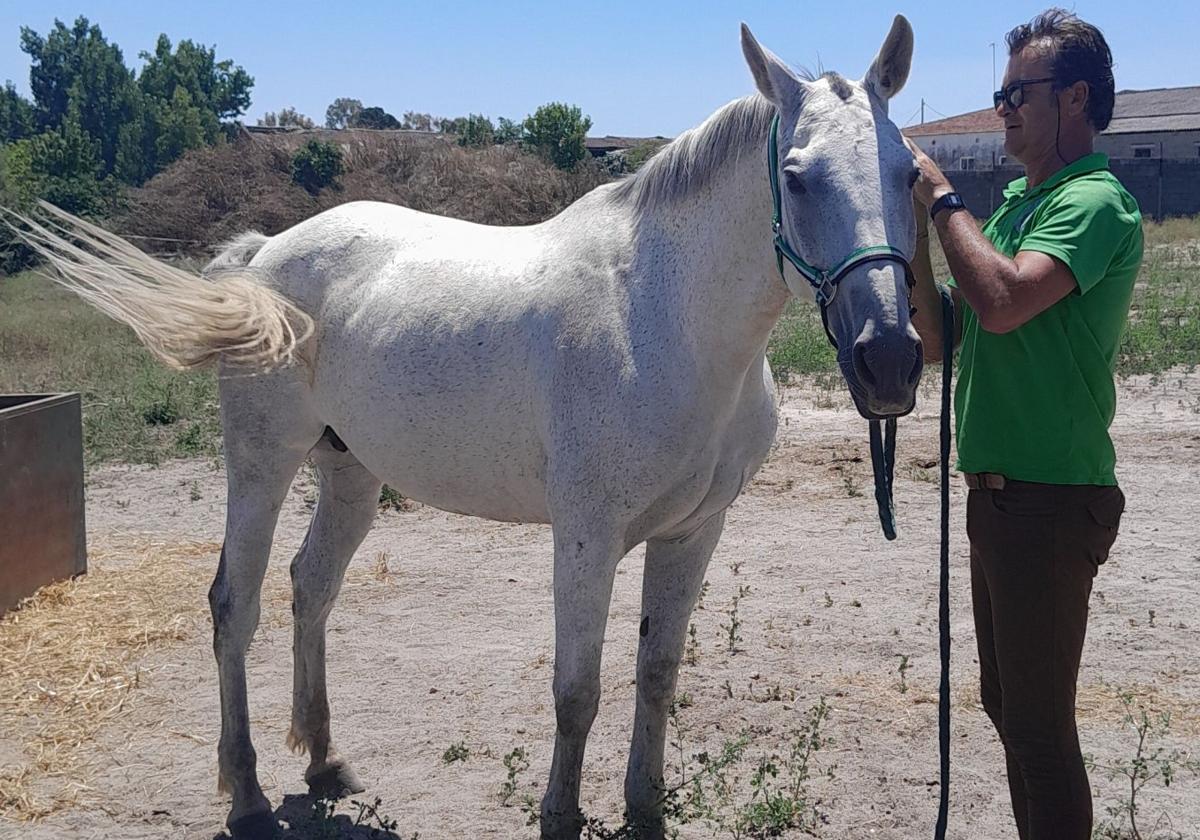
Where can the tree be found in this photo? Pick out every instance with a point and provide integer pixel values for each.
(286, 118)
(477, 130)
(375, 117)
(508, 131)
(342, 112)
(16, 115)
(218, 87)
(557, 131)
(77, 74)
(414, 121)
(138, 125)
(451, 125)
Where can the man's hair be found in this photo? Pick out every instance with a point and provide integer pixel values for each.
(1078, 53)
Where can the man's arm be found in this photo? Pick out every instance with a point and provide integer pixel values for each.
(1004, 293)
(926, 299)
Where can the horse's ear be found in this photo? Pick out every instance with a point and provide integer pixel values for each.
(774, 80)
(889, 70)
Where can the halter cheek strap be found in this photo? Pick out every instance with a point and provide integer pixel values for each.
(823, 280)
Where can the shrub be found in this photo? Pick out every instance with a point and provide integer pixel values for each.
(316, 165)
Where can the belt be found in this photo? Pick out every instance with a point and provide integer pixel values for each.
(984, 481)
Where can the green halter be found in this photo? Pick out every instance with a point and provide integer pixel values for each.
(823, 281)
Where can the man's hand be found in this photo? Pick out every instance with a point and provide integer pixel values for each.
(932, 184)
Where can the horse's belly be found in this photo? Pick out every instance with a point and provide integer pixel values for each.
(478, 454)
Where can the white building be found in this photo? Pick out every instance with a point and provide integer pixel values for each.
(1160, 123)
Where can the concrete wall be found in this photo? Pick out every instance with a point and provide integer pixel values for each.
(1163, 188)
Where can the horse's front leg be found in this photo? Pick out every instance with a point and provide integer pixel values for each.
(670, 585)
(585, 562)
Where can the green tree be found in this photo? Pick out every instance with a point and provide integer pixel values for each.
(508, 131)
(64, 168)
(77, 74)
(414, 121)
(16, 115)
(287, 117)
(557, 131)
(217, 87)
(342, 112)
(375, 117)
(477, 130)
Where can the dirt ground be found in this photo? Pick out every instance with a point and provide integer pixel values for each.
(455, 644)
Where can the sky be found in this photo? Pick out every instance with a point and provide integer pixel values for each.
(636, 67)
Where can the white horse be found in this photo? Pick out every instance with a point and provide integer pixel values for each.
(603, 371)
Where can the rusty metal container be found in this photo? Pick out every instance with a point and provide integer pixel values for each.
(42, 537)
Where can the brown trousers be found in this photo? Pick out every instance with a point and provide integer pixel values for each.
(1034, 551)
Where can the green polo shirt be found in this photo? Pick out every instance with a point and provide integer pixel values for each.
(1035, 404)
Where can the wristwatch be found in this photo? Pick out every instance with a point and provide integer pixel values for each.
(949, 201)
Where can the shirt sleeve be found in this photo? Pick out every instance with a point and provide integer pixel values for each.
(1086, 225)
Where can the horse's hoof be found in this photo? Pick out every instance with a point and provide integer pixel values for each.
(257, 826)
(336, 780)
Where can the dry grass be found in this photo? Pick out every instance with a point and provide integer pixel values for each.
(70, 661)
(218, 192)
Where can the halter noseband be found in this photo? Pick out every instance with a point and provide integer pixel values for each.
(824, 281)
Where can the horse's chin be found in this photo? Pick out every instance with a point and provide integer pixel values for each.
(870, 408)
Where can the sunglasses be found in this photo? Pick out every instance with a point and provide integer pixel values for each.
(1013, 94)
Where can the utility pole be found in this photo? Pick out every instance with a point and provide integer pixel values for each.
(993, 45)
(922, 110)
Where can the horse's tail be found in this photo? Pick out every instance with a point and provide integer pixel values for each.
(184, 319)
(237, 252)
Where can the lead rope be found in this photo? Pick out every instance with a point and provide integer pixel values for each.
(883, 464)
(939, 832)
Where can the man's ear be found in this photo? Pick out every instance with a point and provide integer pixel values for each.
(1078, 95)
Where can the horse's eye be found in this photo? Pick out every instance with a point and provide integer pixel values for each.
(795, 183)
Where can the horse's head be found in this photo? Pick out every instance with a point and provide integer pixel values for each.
(844, 184)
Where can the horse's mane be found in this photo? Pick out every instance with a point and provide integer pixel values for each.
(690, 160)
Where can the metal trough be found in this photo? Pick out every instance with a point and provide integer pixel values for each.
(42, 536)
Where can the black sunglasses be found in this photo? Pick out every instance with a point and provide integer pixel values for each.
(1013, 94)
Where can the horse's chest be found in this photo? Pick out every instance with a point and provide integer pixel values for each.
(738, 450)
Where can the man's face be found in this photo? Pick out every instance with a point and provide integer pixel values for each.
(1031, 129)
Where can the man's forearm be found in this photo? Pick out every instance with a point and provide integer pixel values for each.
(927, 317)
(984, 276)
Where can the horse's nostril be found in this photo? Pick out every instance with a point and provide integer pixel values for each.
(865, 376)
(914, 375)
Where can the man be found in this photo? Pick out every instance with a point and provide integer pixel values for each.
(1042, 293)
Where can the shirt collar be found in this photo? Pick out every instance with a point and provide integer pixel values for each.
(1094, 162)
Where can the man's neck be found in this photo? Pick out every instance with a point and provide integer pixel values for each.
(1065, 153)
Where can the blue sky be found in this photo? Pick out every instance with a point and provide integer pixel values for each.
(637, 68)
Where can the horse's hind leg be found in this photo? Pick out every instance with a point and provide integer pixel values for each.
(266, 440)
(349, 498)
(670, 585)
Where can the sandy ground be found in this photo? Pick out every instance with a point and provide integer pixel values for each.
(455, 644)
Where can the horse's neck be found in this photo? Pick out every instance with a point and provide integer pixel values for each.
(713, 248)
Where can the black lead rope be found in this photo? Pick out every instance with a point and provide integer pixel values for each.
(883, 463)
(939, 832)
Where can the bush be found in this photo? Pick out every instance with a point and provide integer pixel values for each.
(316, 165)
(557, 132)
(476, 130)
(217, 192)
